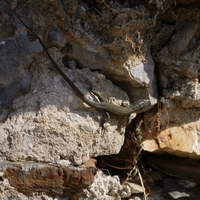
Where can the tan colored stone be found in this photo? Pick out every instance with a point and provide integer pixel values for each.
(177, 138)
(150, 145)
(173, 129)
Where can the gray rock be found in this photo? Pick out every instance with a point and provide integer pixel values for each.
(182, 38)
(56, 37)
(143, 74)
(16, 54)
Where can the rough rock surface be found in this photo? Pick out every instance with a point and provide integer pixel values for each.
(50, 122)
(28, 177)
(113, 48)
(42, 118)
(174, 126)
(105, 187)
(17, 55)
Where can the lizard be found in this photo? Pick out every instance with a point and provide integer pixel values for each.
(137, 107)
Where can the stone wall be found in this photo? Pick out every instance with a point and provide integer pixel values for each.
(125, 52)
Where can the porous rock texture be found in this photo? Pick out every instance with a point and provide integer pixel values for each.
(50, 122)
(28, 177)
(42, 118)
(105, 187)
(173, 126)
(110, 47)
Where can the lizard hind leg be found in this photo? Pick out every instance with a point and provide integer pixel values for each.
(95, 93)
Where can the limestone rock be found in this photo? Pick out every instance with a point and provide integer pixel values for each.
(171, 129)
(57, 125)
(105, 187)
(173, 126)
(113, 48)
(50, 123)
